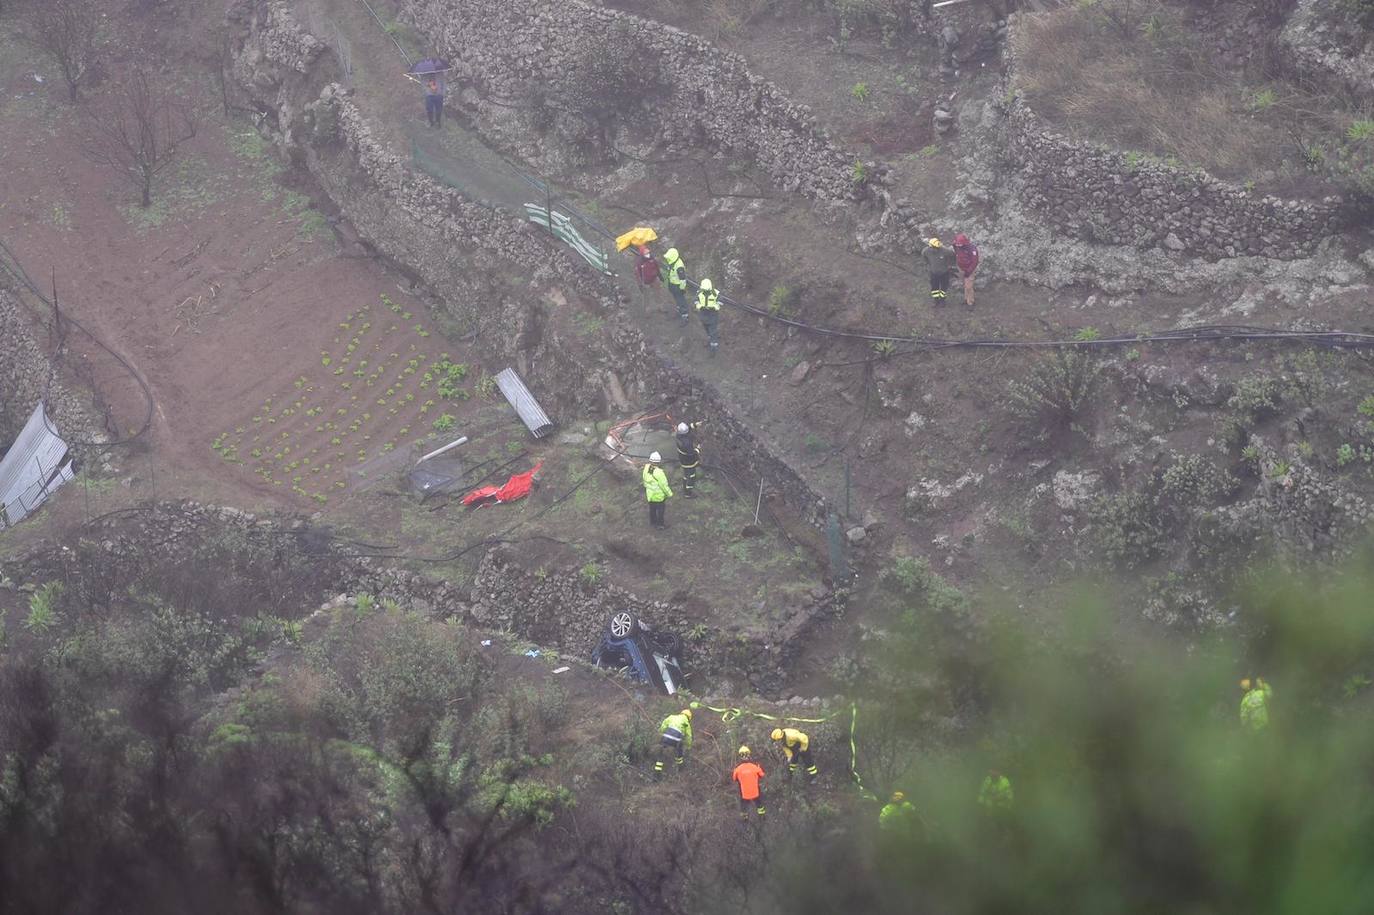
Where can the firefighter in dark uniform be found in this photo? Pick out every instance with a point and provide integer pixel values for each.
(688, 457)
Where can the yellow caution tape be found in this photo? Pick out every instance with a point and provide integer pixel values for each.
(729, 714)
(854, 754)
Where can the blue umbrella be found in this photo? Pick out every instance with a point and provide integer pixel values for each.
(429, 66)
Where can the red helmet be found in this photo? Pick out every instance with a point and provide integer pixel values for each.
(960, 240)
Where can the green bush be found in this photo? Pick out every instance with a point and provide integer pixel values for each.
(1256, 397)
(1126, 529)
(781, 301)
(1058, 391)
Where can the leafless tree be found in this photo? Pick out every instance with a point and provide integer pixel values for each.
(66, 31)
(139, 129)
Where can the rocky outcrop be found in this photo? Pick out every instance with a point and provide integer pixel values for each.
(1324, 40)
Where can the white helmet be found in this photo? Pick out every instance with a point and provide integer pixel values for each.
(655, 458)
(681, 428)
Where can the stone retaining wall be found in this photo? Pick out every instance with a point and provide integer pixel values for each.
(557, 608)
(578, 68)
(1105, 195)
(551, 606)
(26, 376)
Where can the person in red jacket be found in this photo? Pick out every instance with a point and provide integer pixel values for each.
(966, 256)
(646, 271)
(748, 774)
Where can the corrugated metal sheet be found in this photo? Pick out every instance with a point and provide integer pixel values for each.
(35, 465)
(531, 414)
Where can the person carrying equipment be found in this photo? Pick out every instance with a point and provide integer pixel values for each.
(748, 774)
(1254, 705)
(897, 812)
(938, 260)
(796, 746)
(675, 740)
(708, 310)
(688, 457)
(656, 490)
(677, 281)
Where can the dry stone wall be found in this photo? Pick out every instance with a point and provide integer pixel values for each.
(1117, 197)
(26, 376)
(529, 60)
(557, 608)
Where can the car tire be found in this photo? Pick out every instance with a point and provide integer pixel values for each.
(623, 625)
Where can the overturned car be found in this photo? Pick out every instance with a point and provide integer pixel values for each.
(643, 653)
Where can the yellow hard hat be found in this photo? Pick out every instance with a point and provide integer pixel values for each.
(1245, 684)
(898, 796)
(670, 255)
(935, 242)
(706, 284)
(777, 734)
(688, 713)
(744, 752)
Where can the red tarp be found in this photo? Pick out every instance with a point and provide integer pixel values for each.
(517, 487)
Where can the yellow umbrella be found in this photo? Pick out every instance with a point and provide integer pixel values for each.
(640, 235)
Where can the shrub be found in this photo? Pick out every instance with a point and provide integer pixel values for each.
(1126, 530)
(913, 577)
(1193, 481)
(1255, 397)
(884, 348)
(781, 301)
(1058, 390)
(43, 614)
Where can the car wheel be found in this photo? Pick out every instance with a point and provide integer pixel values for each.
(622, 625)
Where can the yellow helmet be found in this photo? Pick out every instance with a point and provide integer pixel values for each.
(706, 284)
(777, 734)
(670, 256)
(1245, 684)
(935, 243)
(744, 752)
(897, 797)
(688, 713)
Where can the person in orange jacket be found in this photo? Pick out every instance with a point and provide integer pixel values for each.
(749, 775)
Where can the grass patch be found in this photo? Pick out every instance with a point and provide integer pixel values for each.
(191, 186)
